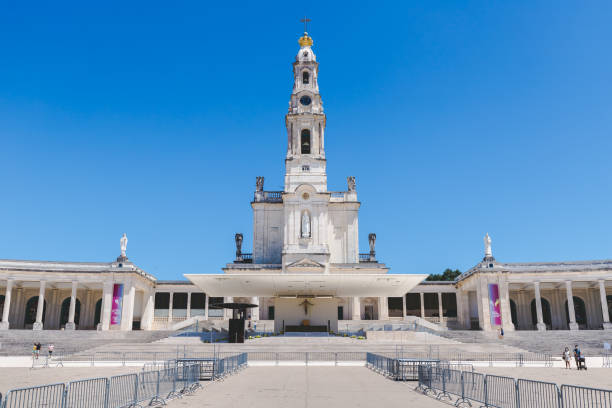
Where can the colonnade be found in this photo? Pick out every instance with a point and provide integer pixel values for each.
(14, 313)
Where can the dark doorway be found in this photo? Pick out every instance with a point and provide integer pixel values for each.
(98, 313)
(65, 311)
(340, 312)
(579, 311)
(30, 312)
(546, 316)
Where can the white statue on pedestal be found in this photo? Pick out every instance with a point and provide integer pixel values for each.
(487, 243)
(123, 241)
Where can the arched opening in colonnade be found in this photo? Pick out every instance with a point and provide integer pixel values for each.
(65, 311)
(30, 312)
(546, 315)
(513, 313)
(98, 313)
(579, 311)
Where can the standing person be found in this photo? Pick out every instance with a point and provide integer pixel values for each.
(566, 357)
(38, 347)
(51, 347)
(34, 351)
(577, 356)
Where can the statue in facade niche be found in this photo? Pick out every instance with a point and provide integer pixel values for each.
(123, 243)
(372, 241)
(259, 183)
(350, 180)
(305, 225)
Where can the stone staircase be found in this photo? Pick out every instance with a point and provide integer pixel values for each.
(20, 342)
(550, 342)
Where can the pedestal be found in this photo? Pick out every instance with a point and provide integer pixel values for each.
(99, 327)
(541, 326)
(4, 325)
(37, 326)
(70, 326)
(606, 326)
(573, 326)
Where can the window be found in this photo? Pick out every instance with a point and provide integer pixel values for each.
(305, 77)
(340, 312)
(270, 312)
(305, 141)
(305, 168)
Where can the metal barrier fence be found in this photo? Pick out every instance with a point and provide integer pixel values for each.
(211, 369)
(399, 352)
(506, 392)
(114, 392)
(407, 369)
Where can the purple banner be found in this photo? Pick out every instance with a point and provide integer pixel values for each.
(494, 305)
(117, 305)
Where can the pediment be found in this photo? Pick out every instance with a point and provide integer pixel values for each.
(305, 263)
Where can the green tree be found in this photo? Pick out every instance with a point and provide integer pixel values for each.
(447, 275)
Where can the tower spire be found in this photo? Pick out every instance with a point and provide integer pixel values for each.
(305, 21)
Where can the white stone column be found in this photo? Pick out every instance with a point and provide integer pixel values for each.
(4, 325)
(188, 305)
(255, 310)
(570, 306)
(383, 308)
(107, 300)
(228, 313)
(404, 307)
(440, 309)
(86, 315)
(482, 294)
(356, 308)
(541, 326)
(604, 305)
(206, 297)
(70, 325)
(38, 325)
(422, 305)
(504, 298)
(170, 307)
(127, 314)
(149, 310)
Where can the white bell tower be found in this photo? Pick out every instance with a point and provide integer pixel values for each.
(305, 162)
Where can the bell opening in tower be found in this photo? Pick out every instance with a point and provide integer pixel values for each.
(305, 77)
(305, 141)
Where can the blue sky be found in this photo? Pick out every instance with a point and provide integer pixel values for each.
(457, 118)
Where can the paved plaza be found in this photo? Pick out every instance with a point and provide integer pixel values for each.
(295, 387)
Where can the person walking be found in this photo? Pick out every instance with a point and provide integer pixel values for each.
(51, 347)
(566, 357)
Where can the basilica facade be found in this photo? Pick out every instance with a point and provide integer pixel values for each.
(306, 271)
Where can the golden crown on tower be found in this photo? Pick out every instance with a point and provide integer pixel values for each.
(305, 41)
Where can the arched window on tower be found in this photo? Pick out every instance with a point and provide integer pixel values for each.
(305, 77)
(305, 141)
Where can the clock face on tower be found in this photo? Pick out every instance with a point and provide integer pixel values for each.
(305, 100)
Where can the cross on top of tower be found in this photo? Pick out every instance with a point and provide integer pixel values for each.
(305, 21)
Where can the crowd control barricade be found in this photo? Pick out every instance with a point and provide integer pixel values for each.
(48, 396)
(538, 394)
(90, 393)
(167, 383)
(408, 367)
(123, 390)
(585, 397)
(474, 386)
(501, 392)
